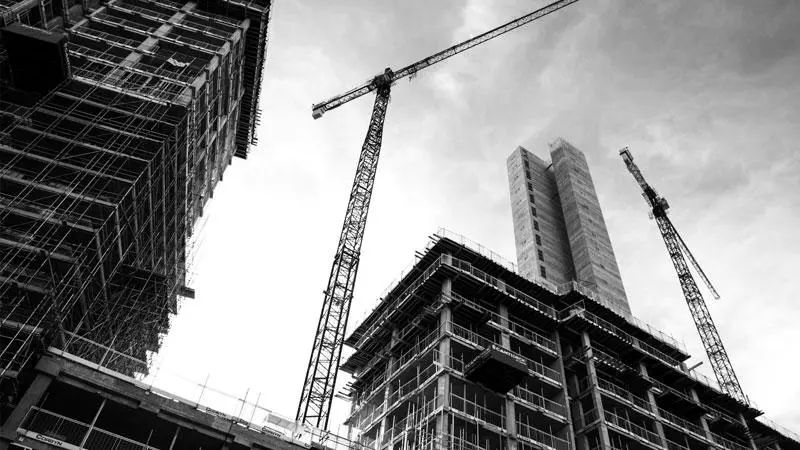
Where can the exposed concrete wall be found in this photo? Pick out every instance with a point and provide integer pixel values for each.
(592, 253)
(538, 219)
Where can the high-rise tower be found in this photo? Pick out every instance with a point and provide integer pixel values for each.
(559, 230)
(117, 120)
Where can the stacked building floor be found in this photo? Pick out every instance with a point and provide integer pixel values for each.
(463, 353)
(117, 120)
(73, 403)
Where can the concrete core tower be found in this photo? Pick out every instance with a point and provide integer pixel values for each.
(559, 230)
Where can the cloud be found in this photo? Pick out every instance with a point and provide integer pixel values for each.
(706, 95)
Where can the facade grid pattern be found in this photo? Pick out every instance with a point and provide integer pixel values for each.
(107, 164)
(591, 378)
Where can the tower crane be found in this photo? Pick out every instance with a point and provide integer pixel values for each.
(679, 252)
(323, 364)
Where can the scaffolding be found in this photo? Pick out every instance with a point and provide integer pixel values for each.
(258, 13)
(45, 14)
(103, 179)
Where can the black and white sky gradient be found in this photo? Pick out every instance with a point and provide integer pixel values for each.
(705, 94)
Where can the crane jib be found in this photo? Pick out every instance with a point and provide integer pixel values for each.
(318, 109)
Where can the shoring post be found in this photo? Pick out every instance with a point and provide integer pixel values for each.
(91, 425)
(108, 349)
(258, 397)
(202, 390)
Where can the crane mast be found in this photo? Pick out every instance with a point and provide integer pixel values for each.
(320, 380)
(679, 252)
(323, 365)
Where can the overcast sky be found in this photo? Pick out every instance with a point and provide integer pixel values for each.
(705, 94)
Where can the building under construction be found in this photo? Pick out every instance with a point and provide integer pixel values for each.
(464, 353)
(117, 120)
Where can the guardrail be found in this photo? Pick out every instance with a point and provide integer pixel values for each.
(414, 352)
(579, 311)
(540, 401)
(238, 410)
(666, 416)
(642, 325)
(563, 288)
(53, 428)
(671, 445)
(624, 394)
(396, 392)
(727, 443)
(544, 438)
(469, 335)
(681, 422)
(480, 412)
(511, 325)
(483, 342)
(548, 310)
(424, 343)
(631, 427)
(364, 417)
(477, 248)
(412, 421)
(588, 418)
(779, 428)
(468, 268)
(407, 292)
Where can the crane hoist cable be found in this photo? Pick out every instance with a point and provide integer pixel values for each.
(323, 365)
(679, 252)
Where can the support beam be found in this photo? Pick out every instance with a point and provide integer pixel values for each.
(654, 407)
(31, 397)
(605, 441)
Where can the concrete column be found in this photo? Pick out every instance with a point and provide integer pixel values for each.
(703, 421)
(510, 411)
(392, 359)
(390, 366)
(444, 344)
(511, 423)
(443, 382)
(605, 441)
(583, 438)
(443, 390)
(43, 15)
(31, 397)
(178, 430)
(563, 396)
(442, 431)
(505, 338)
(750, 439)
(445, 316)
(654, 407)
